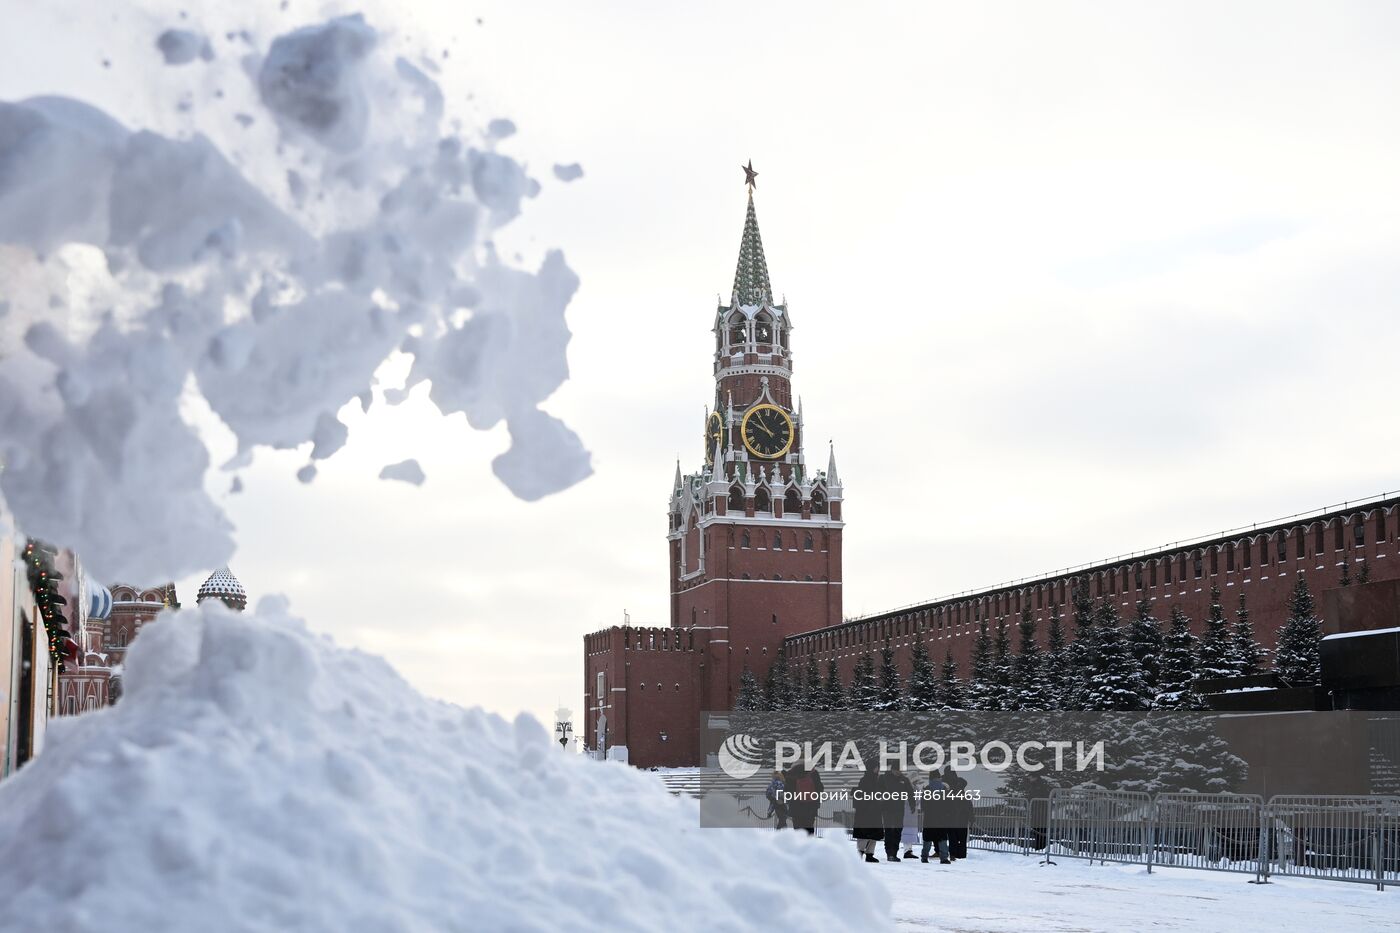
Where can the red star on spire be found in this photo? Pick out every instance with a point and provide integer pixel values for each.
(749, 174)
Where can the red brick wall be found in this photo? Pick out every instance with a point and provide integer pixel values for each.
(953, 624)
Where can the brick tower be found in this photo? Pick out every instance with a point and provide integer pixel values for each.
(754, 535)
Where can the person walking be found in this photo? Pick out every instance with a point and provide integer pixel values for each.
(937, 818)
(804, 789)
(777, 804)
(866, 828)
(896, 795)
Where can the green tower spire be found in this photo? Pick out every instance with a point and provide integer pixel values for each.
(751, 285)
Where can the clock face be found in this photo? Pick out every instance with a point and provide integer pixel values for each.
(767, 431)
(714, 431)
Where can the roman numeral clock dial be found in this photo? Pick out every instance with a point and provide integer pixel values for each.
(767, 431)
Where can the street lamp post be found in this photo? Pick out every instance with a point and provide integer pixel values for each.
(563, 728)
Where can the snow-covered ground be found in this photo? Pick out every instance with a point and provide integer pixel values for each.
(994, 892)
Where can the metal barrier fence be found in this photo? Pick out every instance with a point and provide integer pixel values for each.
(1334, 838)
(1221, 832)
(1108, 826)
(1000, 824)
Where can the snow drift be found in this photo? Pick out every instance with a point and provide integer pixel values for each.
(323, 212)
(255, 776)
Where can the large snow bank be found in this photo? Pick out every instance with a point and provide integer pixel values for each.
(255, 776)
(323, 211)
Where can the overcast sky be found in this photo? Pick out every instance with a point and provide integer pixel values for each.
(1068, 280)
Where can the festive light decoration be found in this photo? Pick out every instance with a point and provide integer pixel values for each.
(43, 583)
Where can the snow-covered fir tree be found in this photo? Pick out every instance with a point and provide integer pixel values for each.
(981, 687)
(1146, 640)
(833, 691)
(1346, 572)
(891, 695)
(1176, 684)
(1114, 680)
(1247, 655)
(865, 692)
(811, 685)
(1003, 664)
(923, 680)
(750, 698)
(777, 686)
(1030, 688)
(1214, 651)
(1081, 648)
(951, 694)
(1057, 661)
(1363, 573)
(1296, 658)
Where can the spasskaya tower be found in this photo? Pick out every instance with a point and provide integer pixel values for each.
(753, 544)
(754, 534)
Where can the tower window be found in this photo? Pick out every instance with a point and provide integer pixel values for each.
(744, 539)
(737, 335)
(777, 540)
(761, 501)
(736, 499)
(763, 329)
(1358, 531)
(807, 542)
(1214, 561)
(1380, 524)
(1246, 551)
(1282, 547)
(1197, 562)
(792, 502)
(818, 504)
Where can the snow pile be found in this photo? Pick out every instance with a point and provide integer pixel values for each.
(351, 219)
(255, 776)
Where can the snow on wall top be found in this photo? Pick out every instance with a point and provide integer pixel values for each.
(272, 277)
(268, 779)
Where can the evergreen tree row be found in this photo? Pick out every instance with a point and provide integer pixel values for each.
(1109, 665)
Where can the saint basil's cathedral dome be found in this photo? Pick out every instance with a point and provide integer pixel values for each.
(223, 586)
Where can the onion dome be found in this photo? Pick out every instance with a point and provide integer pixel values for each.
(223, 586)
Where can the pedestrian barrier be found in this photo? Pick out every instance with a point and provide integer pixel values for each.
(1219, 832)
(1000, 824)
(1334, 838)
(1329, 838)
(1103, 825)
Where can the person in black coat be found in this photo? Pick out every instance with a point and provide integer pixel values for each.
(938, 818)
(898, 798)
(961, 815)
(804, 789)
(867, 828)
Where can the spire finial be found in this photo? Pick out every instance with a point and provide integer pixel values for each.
(750, 176)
